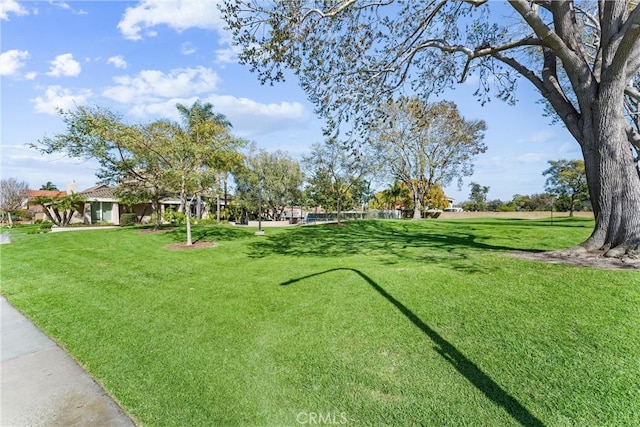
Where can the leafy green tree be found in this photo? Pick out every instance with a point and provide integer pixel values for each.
(495, 205)
(336, 175)
(567, 179)
(276, 175)
(582, 57)
(13, 195)
(426, 144)
(477, 197)
(191, 150)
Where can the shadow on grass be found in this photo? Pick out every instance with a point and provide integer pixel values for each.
(451, 354)
(211, 233)
(391, 240)
(543, 223)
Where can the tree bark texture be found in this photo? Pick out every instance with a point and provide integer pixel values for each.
(613, 182)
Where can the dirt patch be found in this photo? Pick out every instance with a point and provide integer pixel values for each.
(195, 245)
(595, 260)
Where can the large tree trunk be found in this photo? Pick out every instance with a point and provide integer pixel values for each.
(417, 204)
(613, 182)
(417, 209)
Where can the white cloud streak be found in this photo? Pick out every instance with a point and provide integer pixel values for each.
(153, 85)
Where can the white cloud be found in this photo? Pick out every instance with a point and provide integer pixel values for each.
(67, 6)
(30, 75)
(542, 136)
(187, 48)
(248, 117)
(532, 158)
(251, 118)
(246, 106)
(11, 61)
(153, 85)
(228, 55)
(61, 4)
(11, 6)
(117, 61)
(57, 97)
(64, 65)
(176, 14)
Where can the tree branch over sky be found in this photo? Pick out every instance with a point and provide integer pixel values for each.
(579, 55)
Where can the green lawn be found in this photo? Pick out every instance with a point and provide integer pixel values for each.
(373, 323)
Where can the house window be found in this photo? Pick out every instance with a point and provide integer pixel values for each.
(101, 212)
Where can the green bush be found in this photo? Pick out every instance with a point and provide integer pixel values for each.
(207, 221)
(46, 225)
(128, 219)
(178, 218)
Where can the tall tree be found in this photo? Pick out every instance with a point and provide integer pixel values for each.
(13, 195)
(426, 144)
(567, 178)
(336, 175)
(478, 197)
(276, 175)
(583, 61)
(191, 151)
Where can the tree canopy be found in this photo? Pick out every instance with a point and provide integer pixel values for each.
(567, 179)
(426, 144)
(153, 159)
(337, 176)
(276, 175)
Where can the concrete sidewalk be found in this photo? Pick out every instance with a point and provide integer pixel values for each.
(41, 385)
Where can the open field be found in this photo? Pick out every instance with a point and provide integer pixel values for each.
(372, 323)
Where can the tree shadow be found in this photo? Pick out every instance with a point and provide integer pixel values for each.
(485, 384)
(391, 241)
(215, 233)
(544, 223)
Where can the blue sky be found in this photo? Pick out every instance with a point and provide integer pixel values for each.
(140, 58)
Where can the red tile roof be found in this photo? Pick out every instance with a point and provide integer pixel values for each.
(46, 193)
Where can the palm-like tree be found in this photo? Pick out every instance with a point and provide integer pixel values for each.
(49, 186)
(203, 141)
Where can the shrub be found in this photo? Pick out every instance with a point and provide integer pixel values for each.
(207, 221)
(178, 218)
(46, 225)
(128, 219)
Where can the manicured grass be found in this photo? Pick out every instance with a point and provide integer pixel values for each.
(373, 323)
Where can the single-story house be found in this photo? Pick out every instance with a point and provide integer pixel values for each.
(103, 205)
